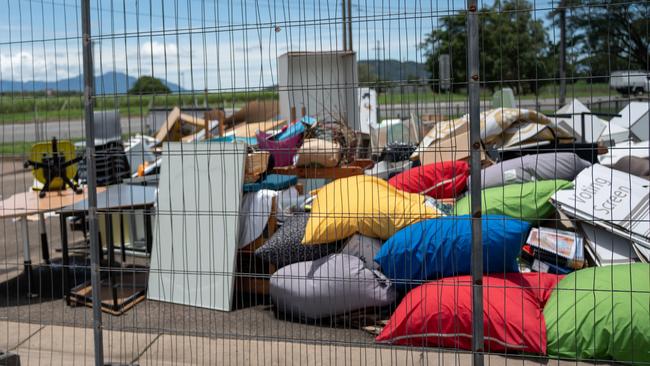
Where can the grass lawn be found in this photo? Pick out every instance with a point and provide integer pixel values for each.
(30, 108)
(21, 109)
(17, 148)
(22, 148)
(579, 89)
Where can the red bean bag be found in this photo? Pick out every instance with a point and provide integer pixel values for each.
(446, 179)
(439, 313)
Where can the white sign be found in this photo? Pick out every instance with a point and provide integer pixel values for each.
(610, 197)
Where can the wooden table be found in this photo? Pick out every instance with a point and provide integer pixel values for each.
(28, 203)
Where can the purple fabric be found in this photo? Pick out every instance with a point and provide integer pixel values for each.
(282, 151)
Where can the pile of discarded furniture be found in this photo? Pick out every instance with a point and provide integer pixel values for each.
(372, 226)
(384, 240)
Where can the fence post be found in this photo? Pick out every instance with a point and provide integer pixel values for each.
(91, 180)
(473, 86)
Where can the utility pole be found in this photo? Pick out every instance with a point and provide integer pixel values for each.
(473, 82)
(344, 24)
(89, 95)
(562, 9)
(349, 25)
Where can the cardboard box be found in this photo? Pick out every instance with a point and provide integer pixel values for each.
(256, 164)
(452, 148)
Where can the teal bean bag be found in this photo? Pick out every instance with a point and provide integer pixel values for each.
(601, 313)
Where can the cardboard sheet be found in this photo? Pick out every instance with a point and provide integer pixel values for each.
(609, 249)
(611, 199)
(197, 224)
(594, 126)
(636, 118)
(452, 148)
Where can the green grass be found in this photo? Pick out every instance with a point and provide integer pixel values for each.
(22, 148)
(30, 108)
(15, 148)
(579, 89)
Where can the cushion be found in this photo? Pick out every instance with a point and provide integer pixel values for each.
(439, 313)
(318, 152)
(329, 286)
(274, 182)
(528, 168)
(364, 248)
(601, 313)
(363, 204)
(441, 247)
(527, 201)
(284, 248)
(445, 179)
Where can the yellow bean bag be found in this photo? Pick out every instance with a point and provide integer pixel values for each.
(363, 204)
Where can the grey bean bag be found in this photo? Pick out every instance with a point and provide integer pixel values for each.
(363, 247)
(528, 168)
(329, 286)
(284, 247)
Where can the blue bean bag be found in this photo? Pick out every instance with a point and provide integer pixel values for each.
(442, 247)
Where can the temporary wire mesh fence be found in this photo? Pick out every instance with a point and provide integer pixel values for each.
(311, 182)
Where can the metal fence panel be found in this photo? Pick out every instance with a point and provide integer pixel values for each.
(311, 182)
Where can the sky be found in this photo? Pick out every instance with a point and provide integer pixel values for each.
(207, 44)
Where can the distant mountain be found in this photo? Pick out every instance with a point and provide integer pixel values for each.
(393, 70)
(109, 83)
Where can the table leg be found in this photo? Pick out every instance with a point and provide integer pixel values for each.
(122, 239)
(45, 250)
(110, 245)
(27, 260)
(66, 257)
(148, 231)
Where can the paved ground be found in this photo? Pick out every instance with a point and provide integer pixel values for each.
(56, 345)
(45, 331)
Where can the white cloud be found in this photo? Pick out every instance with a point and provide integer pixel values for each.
(158, 49)
(21, 65)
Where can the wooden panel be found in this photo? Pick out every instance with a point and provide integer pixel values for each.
(28, 203)
(324, 173)
(250, 129)
(253, 111)
(199, 122)
(172, 118)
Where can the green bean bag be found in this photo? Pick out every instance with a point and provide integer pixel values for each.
(526, 202)
(601, 313)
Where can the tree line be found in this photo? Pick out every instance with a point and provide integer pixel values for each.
(519, 45)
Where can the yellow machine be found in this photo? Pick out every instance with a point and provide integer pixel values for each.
(54, 165)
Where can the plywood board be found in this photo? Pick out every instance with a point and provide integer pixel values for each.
(172, 118)
(28, 203)
(253, 111)
(197, 121)
(197, 224)
(250, 129)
